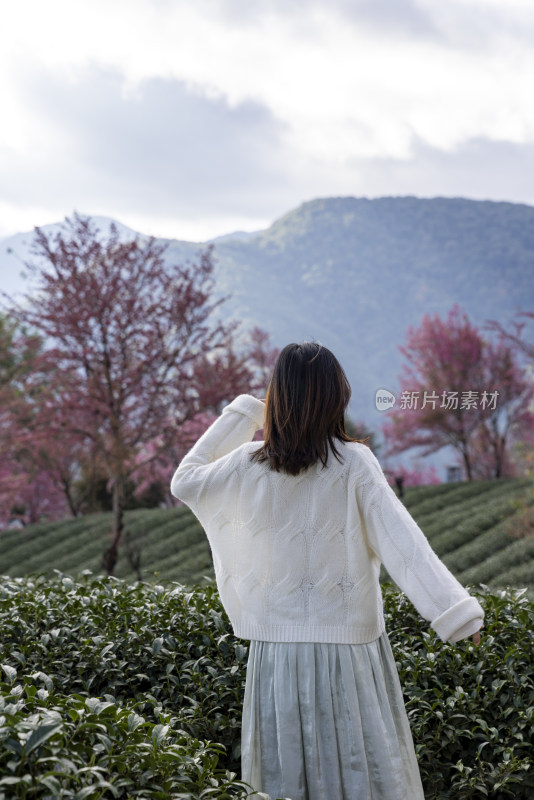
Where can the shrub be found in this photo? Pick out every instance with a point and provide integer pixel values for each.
(471, 709)
(133, 690)
(114, 690)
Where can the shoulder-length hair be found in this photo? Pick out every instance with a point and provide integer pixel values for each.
(305, 409)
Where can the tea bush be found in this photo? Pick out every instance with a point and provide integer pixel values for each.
(117, 690)
(471, 709)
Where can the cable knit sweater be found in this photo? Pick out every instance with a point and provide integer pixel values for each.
(297, 558)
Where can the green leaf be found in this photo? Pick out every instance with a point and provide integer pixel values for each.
(20, 657)
(157, 644)
(240, 652)
(159, 732)
(51, 783)
(13, 744)
(10, 780)
(96, 706)
(47, 680)
(90, 791)
(40, 735)
(10, 672)
(134, 721)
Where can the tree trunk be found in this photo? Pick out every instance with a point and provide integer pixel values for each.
(70, 500)
(498, 465)
(109, 559)
(500, 451)
(467, 464)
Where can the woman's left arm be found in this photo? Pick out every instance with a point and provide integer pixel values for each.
(402, 547)
(237, 424)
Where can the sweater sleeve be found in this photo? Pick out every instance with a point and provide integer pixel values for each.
(236, 425)
(399, 543)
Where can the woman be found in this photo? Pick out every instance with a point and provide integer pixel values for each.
(298, 526)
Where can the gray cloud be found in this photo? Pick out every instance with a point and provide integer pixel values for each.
(479, 168)
(398, 16)
(457, 25)
(164, 149)
(168, 152)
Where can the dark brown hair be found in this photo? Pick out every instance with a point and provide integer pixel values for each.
(305, 409)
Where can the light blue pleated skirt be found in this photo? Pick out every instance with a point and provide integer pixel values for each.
(327, 722)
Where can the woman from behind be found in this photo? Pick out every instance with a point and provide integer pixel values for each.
(298, 526)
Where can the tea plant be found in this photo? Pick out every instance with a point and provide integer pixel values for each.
(117, 690)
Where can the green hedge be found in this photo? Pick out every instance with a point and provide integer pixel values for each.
(450, 528)
(466, 524)
(118, 690)
(519, 552)
(427, 503)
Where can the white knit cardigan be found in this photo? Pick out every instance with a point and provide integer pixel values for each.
(297, 558)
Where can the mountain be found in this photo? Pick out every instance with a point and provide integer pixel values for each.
(236, 235)
(355, 273)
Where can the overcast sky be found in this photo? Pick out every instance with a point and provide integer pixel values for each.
(190, 119)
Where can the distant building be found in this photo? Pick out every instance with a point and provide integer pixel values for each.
(454, 474)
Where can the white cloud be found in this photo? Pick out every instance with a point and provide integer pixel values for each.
(346, 81)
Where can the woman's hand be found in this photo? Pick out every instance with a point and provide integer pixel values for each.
(476, 638)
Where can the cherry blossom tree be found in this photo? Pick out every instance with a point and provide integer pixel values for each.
(515, 336)
(130, 334)
(155, 465)
(522, 456)
(27, 490)
(459, 390)
(243, 368)
(510, 419)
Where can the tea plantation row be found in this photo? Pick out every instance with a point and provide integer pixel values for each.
(474, 527)
(111, 689)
